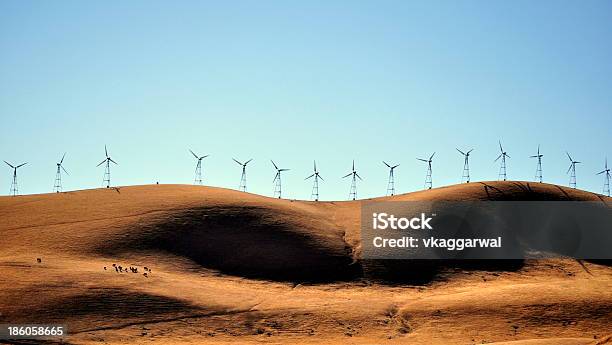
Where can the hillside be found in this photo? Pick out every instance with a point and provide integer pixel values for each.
(228, 266)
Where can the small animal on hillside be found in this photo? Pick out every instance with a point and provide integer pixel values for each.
(105, 268)
(39, 260)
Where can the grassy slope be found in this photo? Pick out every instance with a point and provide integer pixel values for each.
(229, 265)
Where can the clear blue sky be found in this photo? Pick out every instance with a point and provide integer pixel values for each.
(297, 81)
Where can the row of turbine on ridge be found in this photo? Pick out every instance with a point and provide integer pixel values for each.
(57, 187)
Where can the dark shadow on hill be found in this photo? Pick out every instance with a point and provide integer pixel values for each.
(34, 342)
(603, 262)
(424, 272)
(251, 242)
(100, 308)
(520, 191)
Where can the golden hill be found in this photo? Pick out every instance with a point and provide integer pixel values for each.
(228, 266)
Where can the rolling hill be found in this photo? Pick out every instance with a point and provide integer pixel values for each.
(225, 266)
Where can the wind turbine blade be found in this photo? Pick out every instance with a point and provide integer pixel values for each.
(507, 155)
(356, 174)
(395, 166)
(203, 157)
(237, 161)
(101, 163)
(20, 165)
(576, 162)
(196, 156)
(570, 168)
(421, 159)
(284, 169)
(385, 163)
(247, 162)
(461, 152)
(538, 149)
(275, 167)
(470, 151)
(105, 151)
(568, 156)
(276, 176)
(498, 157)
(110, 159)
(309, 177)
(9, 164)
(500, 146)
(319, 176)
(315, 165)
(353, 165)
(599, 173)
(62, 160)
(432, 155)
(64, 170)
(347, 175)
(533, 156)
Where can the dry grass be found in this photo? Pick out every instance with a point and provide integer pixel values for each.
(230, 267)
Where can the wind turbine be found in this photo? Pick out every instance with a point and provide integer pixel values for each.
(107, 160)
(572, 168)
(466, 166)
(502, 168)
(14, 190)
(242, 187)
(538, 175)
(315, 186)
(606, 189)
(198, 170)
(428, 181)
(353, 192)
(57, 186)
(391, 183)
(277, 180)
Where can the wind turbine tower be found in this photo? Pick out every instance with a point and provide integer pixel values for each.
(198, 170)
(57, 186)
(277, 181)
(606, 189)
(466, 166)
(242, 187)
(538, 174)
(502, 168)
(14, 188)
(428, 181)
(353, 191)
(314, 195)
(572, 168)
(107, 160)
(391, 182)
